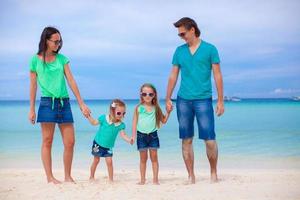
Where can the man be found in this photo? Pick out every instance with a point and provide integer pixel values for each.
(195, 60)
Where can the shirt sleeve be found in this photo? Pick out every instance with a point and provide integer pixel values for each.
(64, 60)
(33, 64)
(122, 127)
(175, 60)
(214, 57)
(101, 119)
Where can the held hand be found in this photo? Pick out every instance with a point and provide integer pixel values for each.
(131, 141)
(220, 108)
(169, 105)
(85, 110)
(31, 116)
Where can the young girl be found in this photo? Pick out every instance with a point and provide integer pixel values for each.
(110, 126)
(49, 69)
(147, 120)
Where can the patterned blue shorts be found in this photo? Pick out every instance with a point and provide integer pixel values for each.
(100, 151)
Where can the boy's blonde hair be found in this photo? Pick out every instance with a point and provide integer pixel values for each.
(112, 108)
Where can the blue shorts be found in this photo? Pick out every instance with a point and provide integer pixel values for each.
(100, 151)
(203, 110)
(58, 111)
(147, 141)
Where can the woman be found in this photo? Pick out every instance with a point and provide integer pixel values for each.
(49, 69)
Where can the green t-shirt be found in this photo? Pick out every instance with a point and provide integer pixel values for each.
(146, 120)
(196, 70)
(108, 131)
(50, 76)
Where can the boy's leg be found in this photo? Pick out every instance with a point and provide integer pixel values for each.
(155, 165)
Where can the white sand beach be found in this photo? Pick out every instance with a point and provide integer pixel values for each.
(234, 184)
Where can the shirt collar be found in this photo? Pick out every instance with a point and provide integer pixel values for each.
(110, 122)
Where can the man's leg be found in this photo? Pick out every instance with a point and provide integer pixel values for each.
(212, 155)
(188, 157)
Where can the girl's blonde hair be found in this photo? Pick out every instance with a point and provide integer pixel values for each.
(112, 108)
(158, 113)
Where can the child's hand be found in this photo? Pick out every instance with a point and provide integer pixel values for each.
(131, 141)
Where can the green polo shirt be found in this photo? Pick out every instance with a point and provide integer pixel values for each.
(196, 70)
(108, 131)
(50, 76)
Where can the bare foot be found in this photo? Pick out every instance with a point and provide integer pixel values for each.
(191, 180)
(54, 181)
(70, 180)
(92, 179)
(142, 182)
(156, 182)
(214, 178)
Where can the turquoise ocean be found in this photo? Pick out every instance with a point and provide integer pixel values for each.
(253, 133)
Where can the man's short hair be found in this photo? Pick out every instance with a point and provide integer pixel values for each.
(188, 23)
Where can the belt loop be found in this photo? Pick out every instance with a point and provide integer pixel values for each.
(62, 102)
(53, 103)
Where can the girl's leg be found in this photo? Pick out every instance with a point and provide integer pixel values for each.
(67, 132)
(47, 134)
(154, 160)
(110, 169)
(143, 165)
(94, 167)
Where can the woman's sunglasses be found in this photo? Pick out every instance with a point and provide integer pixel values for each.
(120, 113)
(56, 42)
(144, 94)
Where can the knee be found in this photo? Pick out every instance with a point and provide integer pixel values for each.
(47, 142)
(69, 144)
(153, 159)
(144, 159)
(96, 160)
(109, 162)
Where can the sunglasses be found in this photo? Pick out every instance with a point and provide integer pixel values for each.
(182, 34)
(56, 42)
(120, 113)
(144, 94)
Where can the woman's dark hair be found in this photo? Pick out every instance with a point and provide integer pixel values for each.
(46, 35)
(188, 23)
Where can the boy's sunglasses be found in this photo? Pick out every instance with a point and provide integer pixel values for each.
(120, 113)
(144, 94)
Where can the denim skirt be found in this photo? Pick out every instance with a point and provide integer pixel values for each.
(55, 110)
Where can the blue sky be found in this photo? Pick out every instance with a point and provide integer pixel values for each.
(115, 46)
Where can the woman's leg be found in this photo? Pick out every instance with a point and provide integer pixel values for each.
(47, 135)
(155, 167)
(94, 167)
(110, 169)
(143, 165)
(67, 132)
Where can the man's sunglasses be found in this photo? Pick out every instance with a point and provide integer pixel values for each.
(181, 34)
(144, 94)
(120, 113)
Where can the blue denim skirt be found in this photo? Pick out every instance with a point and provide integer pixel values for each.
(55, 110)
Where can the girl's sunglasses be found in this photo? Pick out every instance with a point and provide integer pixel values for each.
(144, 94)
(120, 113)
